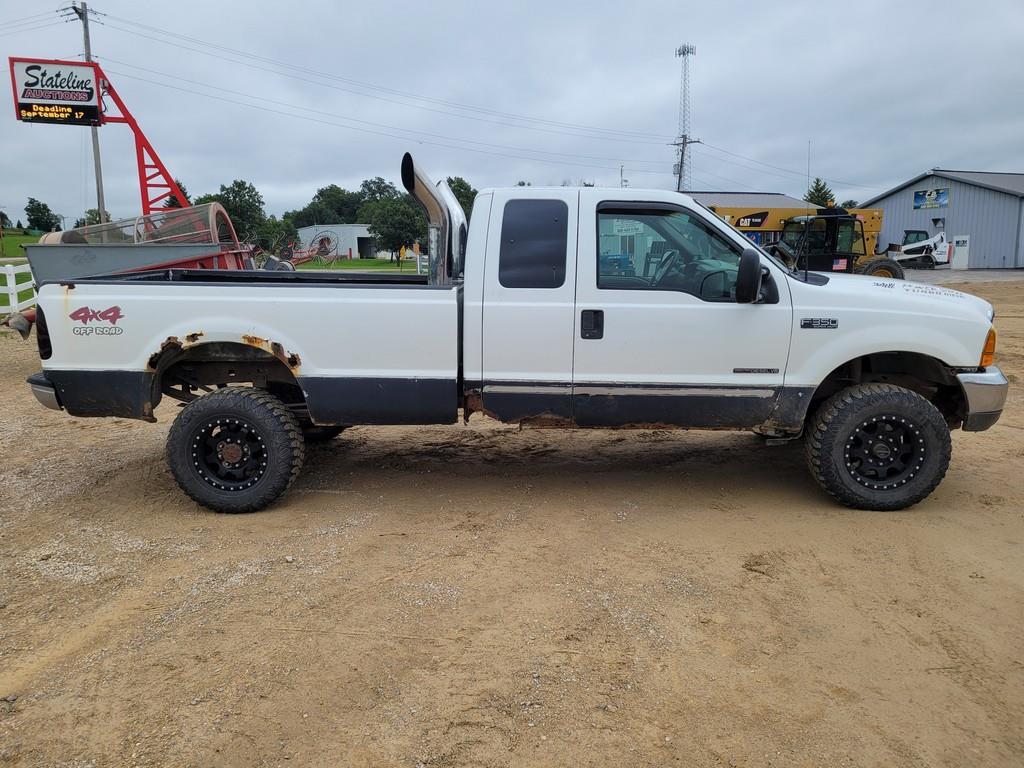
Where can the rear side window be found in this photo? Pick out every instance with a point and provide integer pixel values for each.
(533, 244)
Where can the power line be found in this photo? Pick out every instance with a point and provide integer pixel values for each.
(800, 174)
(746, 187)
(608, 133)
(380, 125)
(23, 30)
(11, 22)
(292, 115)
(557, 127)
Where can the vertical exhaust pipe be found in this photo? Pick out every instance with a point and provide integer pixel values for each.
(458, 226)
(419, 185)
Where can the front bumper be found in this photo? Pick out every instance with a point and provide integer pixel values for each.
(44, 390)
(985, 394)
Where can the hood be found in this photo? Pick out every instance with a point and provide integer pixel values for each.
(906, 295)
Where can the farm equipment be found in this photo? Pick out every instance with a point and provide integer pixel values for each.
(831, 240)
(921, 250)
(197, 237)
(765, 225)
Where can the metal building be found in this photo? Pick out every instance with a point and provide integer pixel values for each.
(981, 213)
(345, 241)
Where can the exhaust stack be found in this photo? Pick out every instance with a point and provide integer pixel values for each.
(459, 228)
(419, 185)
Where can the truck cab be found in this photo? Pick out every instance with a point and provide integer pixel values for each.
(628, 317)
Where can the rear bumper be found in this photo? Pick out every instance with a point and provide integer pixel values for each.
(44, 391)
(124, 394)
(985, 394)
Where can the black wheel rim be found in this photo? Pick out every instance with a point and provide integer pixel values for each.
(884, 452)
(228, 453)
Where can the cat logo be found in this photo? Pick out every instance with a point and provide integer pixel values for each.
(752, 219)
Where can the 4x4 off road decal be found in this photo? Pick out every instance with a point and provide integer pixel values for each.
(101, 317)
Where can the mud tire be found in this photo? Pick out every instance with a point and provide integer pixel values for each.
(270, 427)
(836, 425)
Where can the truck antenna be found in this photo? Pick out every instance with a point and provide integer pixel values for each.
(807, 257)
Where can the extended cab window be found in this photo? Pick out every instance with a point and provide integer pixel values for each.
(533, 243)
(666, 250)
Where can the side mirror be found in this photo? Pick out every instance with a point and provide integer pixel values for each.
(748, 277)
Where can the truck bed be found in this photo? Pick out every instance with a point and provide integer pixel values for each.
(365, 348)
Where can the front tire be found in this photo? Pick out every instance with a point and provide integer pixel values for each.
(878, 447)
(235, 450)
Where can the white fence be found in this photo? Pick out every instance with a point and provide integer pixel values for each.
(19, 291)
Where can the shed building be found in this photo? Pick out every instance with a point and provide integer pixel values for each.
(979, 211)
(345, 241)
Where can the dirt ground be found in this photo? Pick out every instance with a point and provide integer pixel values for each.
(480, 595)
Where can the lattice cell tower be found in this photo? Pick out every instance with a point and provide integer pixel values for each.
(682, 169)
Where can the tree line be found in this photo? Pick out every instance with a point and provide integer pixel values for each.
(393, 217)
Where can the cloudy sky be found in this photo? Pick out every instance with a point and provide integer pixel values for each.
(295, 95)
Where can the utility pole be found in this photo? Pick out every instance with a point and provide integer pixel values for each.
(682, 168)
(82, 12)
(623, 182)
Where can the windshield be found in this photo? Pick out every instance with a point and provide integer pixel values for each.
(791, 233)
(750, 243)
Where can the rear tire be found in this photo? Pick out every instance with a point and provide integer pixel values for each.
(878, 446)
(235, 450)
(883, 268)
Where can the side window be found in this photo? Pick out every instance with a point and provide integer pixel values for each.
(850, 238)
(664, 251)
(533, 244)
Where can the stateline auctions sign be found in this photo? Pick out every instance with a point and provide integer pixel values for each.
(52, 91)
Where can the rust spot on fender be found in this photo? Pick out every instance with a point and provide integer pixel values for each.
(290, 359)
(171, 342)
(192, 338)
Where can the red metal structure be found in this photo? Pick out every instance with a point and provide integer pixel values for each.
(156, 185)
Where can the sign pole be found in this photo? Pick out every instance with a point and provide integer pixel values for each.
(82, 11)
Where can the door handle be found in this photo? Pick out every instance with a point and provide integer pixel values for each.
(592, 324)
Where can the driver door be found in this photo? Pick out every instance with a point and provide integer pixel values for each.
(659, 336)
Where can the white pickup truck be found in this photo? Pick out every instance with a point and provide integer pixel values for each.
(559, 307)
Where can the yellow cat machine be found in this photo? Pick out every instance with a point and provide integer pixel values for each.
(820, 239)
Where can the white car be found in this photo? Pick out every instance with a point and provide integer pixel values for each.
(561, 307)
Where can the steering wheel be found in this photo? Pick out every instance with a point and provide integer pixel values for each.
(668, 262)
